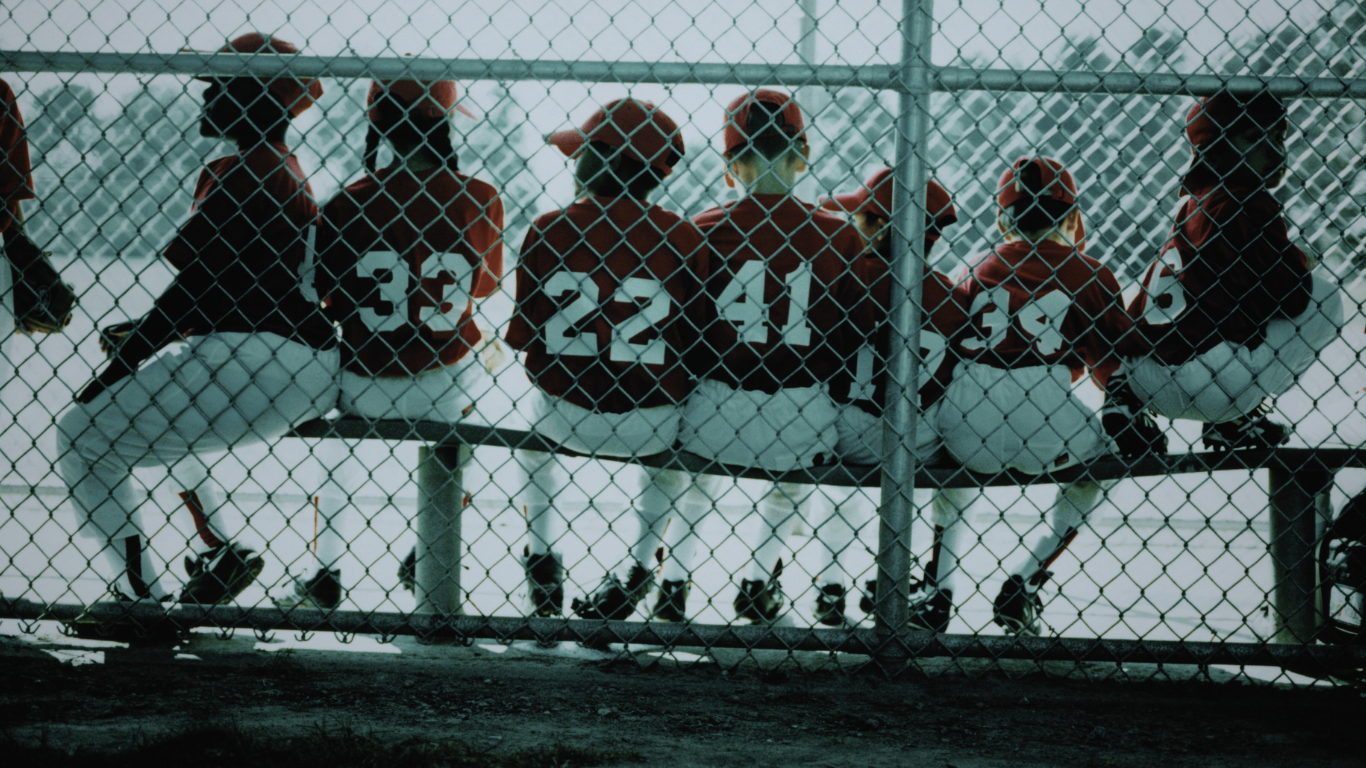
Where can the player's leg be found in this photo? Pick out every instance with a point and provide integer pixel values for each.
(1018, 605)
(167, 411)
(218, 546)
(693, 498)
(543, 479)
(834, 536)
(622, 588)
(339, 478)
(932, 605)
(760, 598)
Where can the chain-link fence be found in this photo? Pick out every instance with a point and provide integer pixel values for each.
(599, 323)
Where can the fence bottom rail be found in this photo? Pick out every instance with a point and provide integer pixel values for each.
(1309, 659)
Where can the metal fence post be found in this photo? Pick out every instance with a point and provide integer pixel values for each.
(903, 366)
(439, 501)
(1298, 499)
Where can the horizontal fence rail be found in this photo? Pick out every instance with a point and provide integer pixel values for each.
(878, 76)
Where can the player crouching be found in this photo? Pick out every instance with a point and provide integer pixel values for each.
(403, 254)
(1231, 307)
(260, 356)
(783, 290)
(609, 292)
(1042, 316)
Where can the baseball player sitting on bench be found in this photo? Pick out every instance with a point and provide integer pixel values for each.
(860, 421)
(784, 287)
(1042, 317)
(1230, 306)
(609, 301)
(260, 355)
(403, 253)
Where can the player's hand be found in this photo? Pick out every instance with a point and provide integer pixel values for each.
(491, 351)
(43, 303)
(113, 335)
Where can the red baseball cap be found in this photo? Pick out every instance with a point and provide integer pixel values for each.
(297, 95)
(432, 98)
(875, 196)
(1210, 117)
(1057, 182)
(737, 117)
(639, 128)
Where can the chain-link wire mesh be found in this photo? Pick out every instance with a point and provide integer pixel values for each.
(602, 342)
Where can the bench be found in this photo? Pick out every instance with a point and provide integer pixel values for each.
(1299, 483)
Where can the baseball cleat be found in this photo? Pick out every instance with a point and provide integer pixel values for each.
(323, 590)
(1128, 423)
(160, 631)
(931, 610)
(759, 601)
(672, 604)
(830, 605)
(221, 574)
(1017, 608)
(1253, 430)
(615, 600)
(407, 571)
(544, 584)
(868, 598)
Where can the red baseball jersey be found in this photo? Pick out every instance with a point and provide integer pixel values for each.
(16, 178)
(1228, 269)
(609, 303)
(784, 288)
(1044, 303)
(244, 252)
(402, 256)
(943, 318)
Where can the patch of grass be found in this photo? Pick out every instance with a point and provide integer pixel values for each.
(230, 747)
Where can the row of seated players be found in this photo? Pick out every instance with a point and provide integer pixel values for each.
(753, 335)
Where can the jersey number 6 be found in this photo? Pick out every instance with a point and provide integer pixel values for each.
(560, 338)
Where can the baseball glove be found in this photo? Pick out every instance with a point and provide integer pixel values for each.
(43, 303)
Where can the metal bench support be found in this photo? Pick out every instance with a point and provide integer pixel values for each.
(440, 499)
(1299, 498)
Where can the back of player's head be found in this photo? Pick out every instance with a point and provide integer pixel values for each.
(626, 148)
(1221, 127)
(1035, 195)
(293, 94)
(874, 198)
(1215, 117)
(764, 122)
(412, 112)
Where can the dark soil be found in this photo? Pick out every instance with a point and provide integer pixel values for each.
(232, 705)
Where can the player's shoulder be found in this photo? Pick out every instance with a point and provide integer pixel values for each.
(481, 191)
(1226, 203)
(714, 215)
(353, 196)
(6, 94)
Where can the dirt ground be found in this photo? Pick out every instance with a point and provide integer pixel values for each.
(60, 696)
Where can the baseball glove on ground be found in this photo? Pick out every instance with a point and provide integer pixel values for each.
(42, 302)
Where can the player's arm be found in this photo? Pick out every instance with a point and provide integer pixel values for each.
(194, 293)
(486, 235)
(524, 329)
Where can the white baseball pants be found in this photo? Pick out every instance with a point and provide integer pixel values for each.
(201, 397)
(1031, 419)
(786, 430)
(1229, 381)
(442, 394)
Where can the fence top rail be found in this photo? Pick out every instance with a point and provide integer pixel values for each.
(931, 476)
(877, 76)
